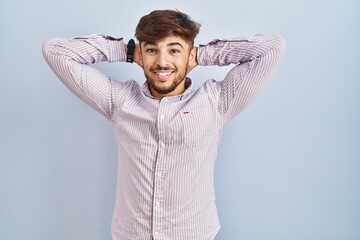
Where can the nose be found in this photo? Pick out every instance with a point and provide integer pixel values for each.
(162, 60)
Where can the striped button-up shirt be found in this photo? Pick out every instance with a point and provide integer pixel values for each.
(167, 147)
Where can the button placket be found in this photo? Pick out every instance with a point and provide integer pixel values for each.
(159, 187)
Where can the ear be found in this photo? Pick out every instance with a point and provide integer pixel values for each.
(138, 56)
(192, 59)
(192, 56)
(141, 63)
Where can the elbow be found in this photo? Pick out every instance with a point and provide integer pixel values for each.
(279, 45)
(275, 47)
(47, 45)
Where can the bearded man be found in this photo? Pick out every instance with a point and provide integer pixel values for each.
(167, 133)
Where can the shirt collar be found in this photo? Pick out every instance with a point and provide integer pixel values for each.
(188, 88)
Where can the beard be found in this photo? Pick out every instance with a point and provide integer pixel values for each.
(161, 89)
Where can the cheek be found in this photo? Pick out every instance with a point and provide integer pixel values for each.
(146, 60)
(146, 64)
(182, 63)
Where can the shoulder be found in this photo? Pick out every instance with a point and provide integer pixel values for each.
(124, 90)
(210, 87)
(130, 85)
(208, 92)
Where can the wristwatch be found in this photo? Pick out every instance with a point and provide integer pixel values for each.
(130, 51)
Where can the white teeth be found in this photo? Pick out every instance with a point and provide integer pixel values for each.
(164, 74)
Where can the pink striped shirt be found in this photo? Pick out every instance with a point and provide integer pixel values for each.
(167, 148)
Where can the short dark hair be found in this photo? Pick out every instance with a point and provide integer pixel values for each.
(162, 23)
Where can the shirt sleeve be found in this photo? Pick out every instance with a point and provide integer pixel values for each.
(255, 57)
(71, 60)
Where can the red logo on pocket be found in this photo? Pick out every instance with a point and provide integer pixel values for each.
(185, 112)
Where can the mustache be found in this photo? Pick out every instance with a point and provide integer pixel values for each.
(159, 68)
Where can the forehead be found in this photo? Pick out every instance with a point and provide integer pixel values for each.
(168, 41)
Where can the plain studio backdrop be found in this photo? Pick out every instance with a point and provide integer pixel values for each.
(288, 167)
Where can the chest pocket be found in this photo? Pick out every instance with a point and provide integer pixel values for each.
(197, 126)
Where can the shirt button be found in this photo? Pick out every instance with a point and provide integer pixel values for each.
(159, 174)
(162, 117)
(157, 203)
(156, 233)
(162, 144)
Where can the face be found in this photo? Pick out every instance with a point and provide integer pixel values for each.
(165, 65)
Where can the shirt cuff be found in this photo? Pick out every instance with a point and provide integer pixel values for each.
(205, 54)
(116, 49)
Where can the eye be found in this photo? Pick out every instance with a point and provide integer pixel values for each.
(174, 51)
(150, 50)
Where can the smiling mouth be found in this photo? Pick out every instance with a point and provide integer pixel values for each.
(163, 75)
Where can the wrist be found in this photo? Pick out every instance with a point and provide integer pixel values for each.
(130, 50)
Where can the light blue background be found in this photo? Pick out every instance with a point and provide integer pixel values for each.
(288, 166)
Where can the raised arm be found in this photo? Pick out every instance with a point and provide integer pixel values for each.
(70, 60)
(256, 58)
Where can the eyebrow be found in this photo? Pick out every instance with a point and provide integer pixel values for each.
(149, 43)
(169, 45)
(175, 44)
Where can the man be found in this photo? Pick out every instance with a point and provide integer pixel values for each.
(167, 133)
